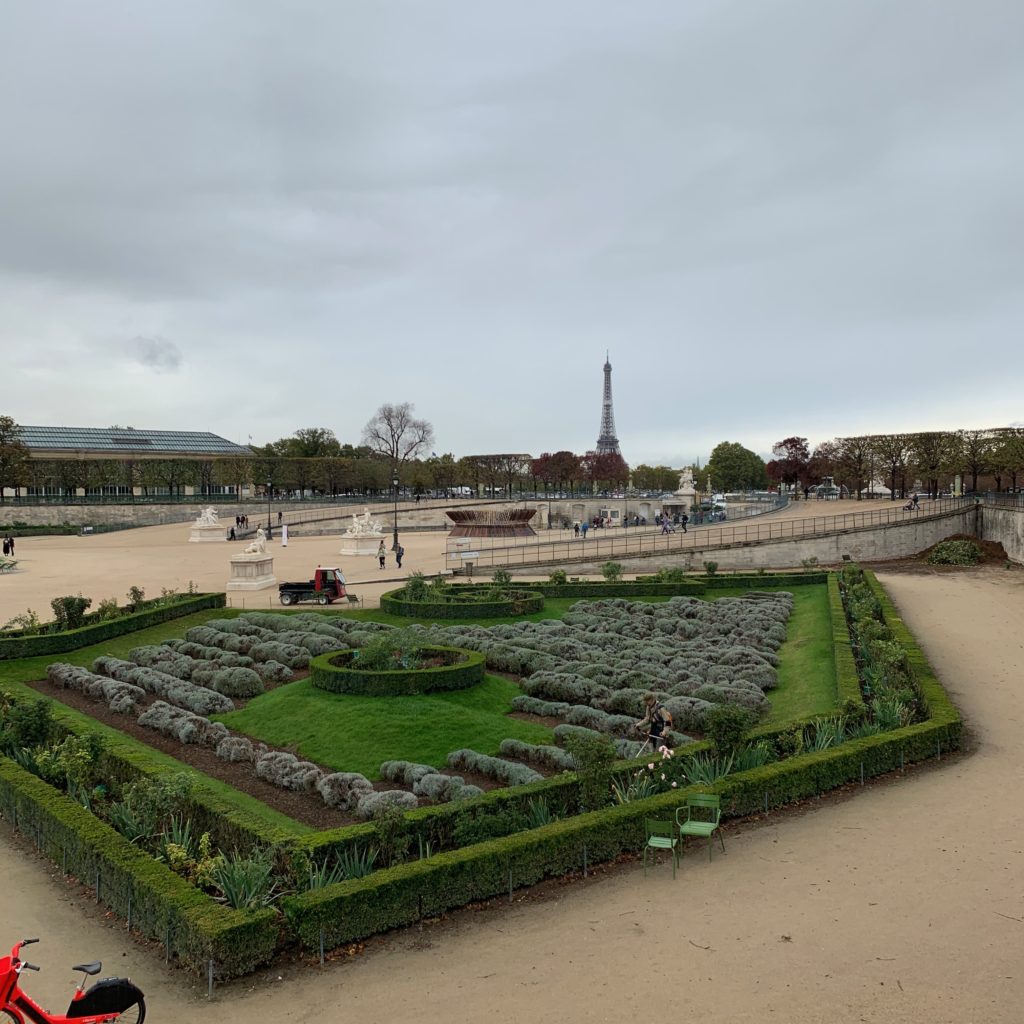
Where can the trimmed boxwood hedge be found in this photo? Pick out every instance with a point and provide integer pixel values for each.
(44, 644)
(331, 672)
(754, 581)
(520, 602)
(624, 588)
(164, 906)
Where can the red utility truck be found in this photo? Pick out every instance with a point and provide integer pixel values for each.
(326, 586)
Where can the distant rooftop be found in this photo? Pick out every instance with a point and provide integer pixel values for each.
(127, 441)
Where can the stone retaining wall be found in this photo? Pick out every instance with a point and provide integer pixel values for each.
(869, 544)
(1006, 526)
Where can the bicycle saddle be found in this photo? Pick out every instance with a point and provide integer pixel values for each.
(94, 968)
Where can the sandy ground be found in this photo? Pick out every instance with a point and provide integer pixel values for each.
(903, 904)
(154, 557)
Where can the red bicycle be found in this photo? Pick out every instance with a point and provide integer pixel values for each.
(109, 1000)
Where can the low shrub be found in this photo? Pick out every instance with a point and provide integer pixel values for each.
(182, 725)
(548, 757)
(344, 790)
(955, 552)
(232, 682)
(506, 772)
(286, 771)
(236, 748)
(370, 805)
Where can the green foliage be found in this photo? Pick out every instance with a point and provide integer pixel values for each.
(136, 595)
(393, 837)
(246, 882)
(416, 588)
(594, 757)
(27, 624)
(501, 578)
(557, 576)
(809, 563)
(732, 467)
(26, 724)
(711, 568)
(706, 769)
(148, 805)
(955, 552)
(70, 764)
(726, 725)
(108, 609)
(612, 571)
(671, 574)
(69, 611)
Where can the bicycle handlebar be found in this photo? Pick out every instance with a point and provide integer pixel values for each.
(27, 942)
(26, 966)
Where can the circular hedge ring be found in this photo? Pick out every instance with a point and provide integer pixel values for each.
(459, 670)
(464, 602)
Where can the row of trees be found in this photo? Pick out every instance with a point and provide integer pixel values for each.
(993, 457)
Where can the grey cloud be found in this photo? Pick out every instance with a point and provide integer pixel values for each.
(784, 217)
(155, 353)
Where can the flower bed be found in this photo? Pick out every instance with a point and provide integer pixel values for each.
(459, 669)
(460, 602)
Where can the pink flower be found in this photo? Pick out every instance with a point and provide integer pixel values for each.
(650, 767)
(662, 776)
(675, 784)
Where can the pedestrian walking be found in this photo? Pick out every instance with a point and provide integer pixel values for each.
(399, 551)
(280, 516)
(575, 529)
(10, 542)
(683, 520)
(583, 529)
(7, 547)
(381, 554)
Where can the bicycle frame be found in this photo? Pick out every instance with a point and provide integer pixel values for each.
(22, 1008)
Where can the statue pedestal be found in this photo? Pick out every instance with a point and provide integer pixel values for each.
(252, 572)
(205, 534)
(366, 545)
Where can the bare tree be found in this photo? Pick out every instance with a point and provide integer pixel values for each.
(397, 435)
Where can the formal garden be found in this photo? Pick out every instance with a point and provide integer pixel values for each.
(237, 783)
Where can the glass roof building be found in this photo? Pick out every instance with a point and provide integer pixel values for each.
(126, 442)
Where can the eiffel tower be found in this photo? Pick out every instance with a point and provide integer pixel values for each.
(607, 443)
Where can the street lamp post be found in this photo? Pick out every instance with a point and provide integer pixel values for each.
(270, 484)
(394, 536)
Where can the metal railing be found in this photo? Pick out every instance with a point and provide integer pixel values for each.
(702, 538)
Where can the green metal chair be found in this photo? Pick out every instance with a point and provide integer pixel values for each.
(703, 814)
(661, 835)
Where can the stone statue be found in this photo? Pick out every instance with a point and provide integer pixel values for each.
(208, 517)
(259, 545)
(686, 484)
(363, 526)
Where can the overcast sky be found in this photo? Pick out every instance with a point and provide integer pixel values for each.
(780, 216)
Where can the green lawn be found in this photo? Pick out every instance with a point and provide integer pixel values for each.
(807, 671)
(355, 734)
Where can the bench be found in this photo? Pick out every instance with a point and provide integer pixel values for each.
(8, 566)
(354, 599)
